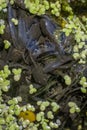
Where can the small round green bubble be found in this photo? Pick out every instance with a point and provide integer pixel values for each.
(45, 126)
(42, 107)
(67, 80)
(38, 117)
(81, 61)
(14, 126)
(85, 84)
(77, 109)
(82, 80)
(55, 108)
(10, 102)
(11, 111)
(53, 104)
(76, 56)
(17, 107)
(17, 73)
(52, 5)
(39, 103)
(5, 88)
(17, 77)
(7, 44)
(17, 112)
(15, 21)
(53, 125)
(6, 70)
(83, 55)
(32, 89)
(32, 108)
(81, 45)
(2, 121)
(11, 107)
(83, 90)
(46, 103)
(9, 118)
(57, 14)
(15, 100)
(84, 18)
(12, 2)
(71, 104)
(2, 28)
(72, 110)
(50, 115)
(75, 48)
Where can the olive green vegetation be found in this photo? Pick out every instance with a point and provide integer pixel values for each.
(71, 25)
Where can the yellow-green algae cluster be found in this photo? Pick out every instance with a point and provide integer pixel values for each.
(3, 3)
(16, 117)
(73, 24)
(40, 7)
(76, 27)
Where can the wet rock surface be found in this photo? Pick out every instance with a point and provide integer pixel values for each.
(43, 60)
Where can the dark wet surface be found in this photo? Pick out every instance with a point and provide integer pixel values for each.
(44, 61)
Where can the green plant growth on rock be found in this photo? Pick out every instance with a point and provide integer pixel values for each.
(10, 109)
